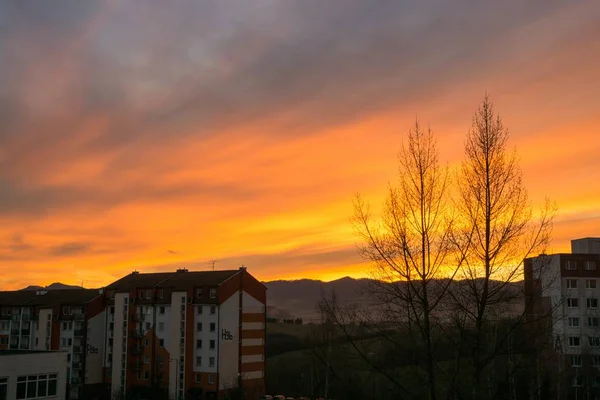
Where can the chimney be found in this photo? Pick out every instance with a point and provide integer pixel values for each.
(182, 270)
(242, 268)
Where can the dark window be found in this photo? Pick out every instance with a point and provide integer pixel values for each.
(213, 326)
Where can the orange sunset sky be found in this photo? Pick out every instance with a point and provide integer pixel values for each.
(159, 135)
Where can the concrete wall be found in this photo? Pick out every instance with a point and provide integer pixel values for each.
(178, 299)
(229, 341)
(96, 332)
(13, 366)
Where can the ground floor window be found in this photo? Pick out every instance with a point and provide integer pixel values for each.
(3, 388)
(36, 386)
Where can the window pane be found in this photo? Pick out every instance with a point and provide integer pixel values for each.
(52, 387)
(42, 388)
(31, 390)
(21, 388)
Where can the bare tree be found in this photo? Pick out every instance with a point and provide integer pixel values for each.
(410, 248)
(497, 233)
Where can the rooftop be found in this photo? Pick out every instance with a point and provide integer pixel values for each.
(179, 278)
(16, 352)
(51, 297)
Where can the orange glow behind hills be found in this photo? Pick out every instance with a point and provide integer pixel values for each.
(127, 146)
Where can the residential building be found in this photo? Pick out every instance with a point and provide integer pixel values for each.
(71, 320)
(562, 299)
(33, 374)
(188, 333)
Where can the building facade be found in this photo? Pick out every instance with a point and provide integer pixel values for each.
(562, 299)
(177, 335)
(187, 334)
(32, 374)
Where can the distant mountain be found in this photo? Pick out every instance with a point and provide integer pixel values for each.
(300, 298)
(52, 286)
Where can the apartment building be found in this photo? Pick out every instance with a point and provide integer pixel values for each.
(562, 296)
(70, 320)
(189, 334)
(33, 374)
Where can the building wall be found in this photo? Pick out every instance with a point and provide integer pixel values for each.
(178, 300)
(229, 340)
(13, 366)
(96, 339)
(119, 339)
(44, 330)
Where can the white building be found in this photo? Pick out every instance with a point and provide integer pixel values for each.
(31, 374)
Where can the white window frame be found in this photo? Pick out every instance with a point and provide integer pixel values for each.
(211, 361)
(213, 293)
(590, 265)
(571, 283)
(571, 265)
(573, 340)
(573, 322)
(198, 361)
(592, 302)
(590, 284)
(575, 361)
(572, 302)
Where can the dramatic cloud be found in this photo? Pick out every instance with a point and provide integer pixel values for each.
(150, 135)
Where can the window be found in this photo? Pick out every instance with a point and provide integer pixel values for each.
(68, 358)
(594, 341)
(199, 292)
(65, 310)
(213, 310)
(159, 359)
(575, 361)
(161, 342)
(211, 379)
(590, 265)
(198, 361)
(212, 344)
(590, 284)
(199, 310)
(146, 342)
(4, 340)
(146, 375)
(141, 294)
(572, 303)
(593, 322)
(199, 326)
(578, 381)
(65, 326)
(595, 361)
(161, 310)
(63, 342)
(112, 295)
(574, 341)
(571, 265)
(573, 322)
(198, 378)
(161, 293)
(571, 283)
(35, 386)
(213, 293)
(211, 362)
(161, 326)
(37, 341)
(148, 294)
(198, 343)
(592, 303)
(146, 360)
(213, 327)
(147, 325)
(3, 388)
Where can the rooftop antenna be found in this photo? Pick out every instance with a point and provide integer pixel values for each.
(213, 264)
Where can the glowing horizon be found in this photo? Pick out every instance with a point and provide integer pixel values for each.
(157, 137)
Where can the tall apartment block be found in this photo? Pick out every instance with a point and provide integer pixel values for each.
(196, 334)
(562, 296)
(66, 320)
(176, 335)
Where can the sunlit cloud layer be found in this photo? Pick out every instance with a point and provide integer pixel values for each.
(150, 136)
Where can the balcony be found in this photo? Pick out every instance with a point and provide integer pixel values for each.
(79, 332)
(14, 330)
(77, 349)
(78, 317)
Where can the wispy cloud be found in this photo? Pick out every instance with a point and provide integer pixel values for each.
(239, 130)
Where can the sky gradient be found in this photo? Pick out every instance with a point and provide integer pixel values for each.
(151, 135)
